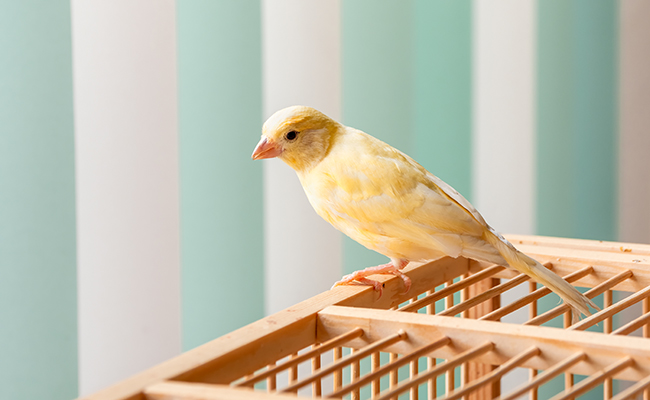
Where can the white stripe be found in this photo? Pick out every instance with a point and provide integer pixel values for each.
(634, 185)
(127, 187)
(503, 133)
(301, 65)
(504, 101)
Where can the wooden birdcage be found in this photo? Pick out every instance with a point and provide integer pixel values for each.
(442, 339)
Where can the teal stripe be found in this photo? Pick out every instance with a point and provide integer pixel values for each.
(38, 287)
(576, 128)
(443, 90)
(577, 118)
(220, 111)
(377, 93)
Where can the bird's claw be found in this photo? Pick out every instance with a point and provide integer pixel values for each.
(355, 279)
(358, 278)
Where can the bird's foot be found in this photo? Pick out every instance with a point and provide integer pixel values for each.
(359, 277)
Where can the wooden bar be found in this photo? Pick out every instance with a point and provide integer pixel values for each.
(633, 390)
(355, 373)
(316, 387)
(532, 297)
(239, 353)
(595, 379)
(475, 371)
(555, 344)
(608, 385)
(297, 359)
(375, 386)
(495, 291)
(452, 288)
(392, 366)
(256, 353)
(545, 376)
(439, 369)
(595, 291)
(378, 345)
(450, 376)
(169, 390)
(495, 374)
(337, 376)
(609, 311)
(432, 385)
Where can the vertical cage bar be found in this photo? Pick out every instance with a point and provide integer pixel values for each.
(375, 386)
(355, 373)
(271, 381)
(532, 313)
(449, 375)
(608, 385)
(464, 367)
(316, 386)
(432, 384)
(293, 371)
(646, 333)
(392, 376)
(568, 377)
(337, 354)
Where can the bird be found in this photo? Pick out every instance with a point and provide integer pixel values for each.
(386, 201)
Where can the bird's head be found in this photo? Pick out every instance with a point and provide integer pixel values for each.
(300, 136)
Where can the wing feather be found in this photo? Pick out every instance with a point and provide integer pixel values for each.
(389, 203)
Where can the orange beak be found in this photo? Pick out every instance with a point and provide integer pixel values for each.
(266, 149)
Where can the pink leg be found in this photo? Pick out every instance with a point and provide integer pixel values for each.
(359, 277)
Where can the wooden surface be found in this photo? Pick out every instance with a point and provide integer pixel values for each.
(509, 339)
(206, 371)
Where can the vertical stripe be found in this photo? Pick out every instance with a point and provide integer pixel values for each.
(576, 123)
(301, 58)
(504, 114)
(221, 187)
(443, 90)
(576, 127)
(503, 136)
(127, 187)
(634, 78)
(38, 352)
(377, 70)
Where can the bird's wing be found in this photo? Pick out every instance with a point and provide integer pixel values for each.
(374, 193)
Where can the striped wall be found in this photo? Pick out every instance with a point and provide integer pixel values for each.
(38, 267)
(133, 224)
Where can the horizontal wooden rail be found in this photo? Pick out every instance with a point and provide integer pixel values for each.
(510, 340)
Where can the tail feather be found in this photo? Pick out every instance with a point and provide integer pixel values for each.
(527, 265)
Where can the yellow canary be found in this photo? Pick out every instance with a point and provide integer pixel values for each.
(389, 203)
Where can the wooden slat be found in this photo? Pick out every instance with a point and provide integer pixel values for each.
(243, 351)
(569, 255)
(591, 293)
(478, 370)
(439, 369)
(545, 376)
(168, 390)
(452, 288)
(595, 379)
(487, 295)
(580, 244)
(393, 366)
(532, 297)
(365, 351)
(330, 344)
(470, 388)
(510, 339)
(266, 341)
(611, 310)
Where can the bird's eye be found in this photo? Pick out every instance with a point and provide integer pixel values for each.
(292, 135)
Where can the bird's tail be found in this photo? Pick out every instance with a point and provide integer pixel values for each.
(522, 263)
